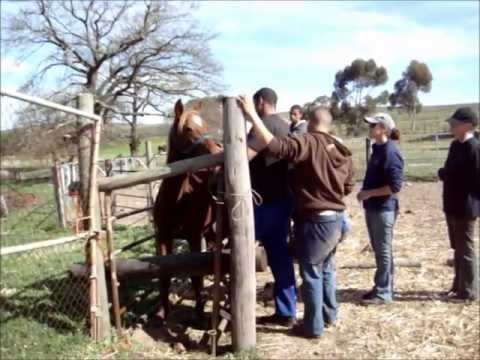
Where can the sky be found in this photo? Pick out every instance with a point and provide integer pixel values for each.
(297, 47)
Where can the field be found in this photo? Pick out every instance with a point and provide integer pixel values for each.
(42, 311)
(421, 323)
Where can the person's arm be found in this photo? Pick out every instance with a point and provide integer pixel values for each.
(350, 180)
(381, 191)
(262, 135)
(293, 149)
(394, 170)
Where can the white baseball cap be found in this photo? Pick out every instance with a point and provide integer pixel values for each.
(381, 118)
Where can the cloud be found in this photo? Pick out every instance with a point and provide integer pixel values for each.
(11, 66)
(297, 47)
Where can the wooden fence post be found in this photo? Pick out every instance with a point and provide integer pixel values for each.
(87, 154)
(149, 158)
(239, 202)
(59, 193)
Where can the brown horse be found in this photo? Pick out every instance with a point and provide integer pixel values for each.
(184, 207)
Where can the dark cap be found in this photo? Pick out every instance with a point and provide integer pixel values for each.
(463, 115)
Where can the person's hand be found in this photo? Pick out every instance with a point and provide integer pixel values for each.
(246, 103)
(363, 195)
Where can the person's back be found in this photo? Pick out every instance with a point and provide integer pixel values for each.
(269, 176)
(323, 172)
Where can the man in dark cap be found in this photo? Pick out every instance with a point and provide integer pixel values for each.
(461, 200)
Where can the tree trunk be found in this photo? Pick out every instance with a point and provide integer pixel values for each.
(133, 136)
(413, 116)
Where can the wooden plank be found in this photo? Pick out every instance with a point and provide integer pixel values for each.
(113, 268)
(58, 195)
(173, 169)
(239, 202)
(151, 267)
(372, 265)
(50, 104)
(89, 142)
(41, 244)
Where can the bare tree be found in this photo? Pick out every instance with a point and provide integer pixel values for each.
(117, 49)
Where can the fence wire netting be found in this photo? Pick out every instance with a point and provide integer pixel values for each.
(39, 299)
(42, 309)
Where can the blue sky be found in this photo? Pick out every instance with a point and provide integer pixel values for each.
(297, 47)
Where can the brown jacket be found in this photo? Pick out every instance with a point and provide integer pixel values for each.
(323, 173)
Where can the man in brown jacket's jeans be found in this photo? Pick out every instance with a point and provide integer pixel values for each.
(323, 176)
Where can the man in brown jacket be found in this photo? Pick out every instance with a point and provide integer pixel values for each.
(323, 176)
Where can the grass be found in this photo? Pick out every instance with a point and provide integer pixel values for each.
(42, 311)
(31, 223)
(120, 147)
(422, 157)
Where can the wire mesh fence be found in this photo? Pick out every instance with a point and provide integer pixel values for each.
(43, 310)
(423, 154)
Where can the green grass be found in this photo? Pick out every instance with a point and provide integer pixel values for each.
(422, 157)
(31, 223)
(42, 311)
(120, 147)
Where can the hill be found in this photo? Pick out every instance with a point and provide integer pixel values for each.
(430, 120)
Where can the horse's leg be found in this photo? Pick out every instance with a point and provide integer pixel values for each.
(164, 247)
(197, 281)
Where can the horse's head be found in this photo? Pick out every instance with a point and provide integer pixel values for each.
(188, 129)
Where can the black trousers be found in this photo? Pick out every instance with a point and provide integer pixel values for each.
(461, 233)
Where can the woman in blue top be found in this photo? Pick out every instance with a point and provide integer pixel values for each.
(383, 180)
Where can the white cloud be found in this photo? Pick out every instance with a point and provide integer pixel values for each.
(297, 47)
(10, 66)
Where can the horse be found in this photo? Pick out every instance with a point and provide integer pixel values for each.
(184, 206)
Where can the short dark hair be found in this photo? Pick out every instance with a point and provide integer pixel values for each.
(268, 95)
(296, 107)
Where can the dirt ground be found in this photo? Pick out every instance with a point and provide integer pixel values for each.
(421, 322)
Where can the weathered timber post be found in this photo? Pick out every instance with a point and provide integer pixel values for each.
(239, 201)
(59, 192)
(149, 158)
(113, 267)
(89, 138)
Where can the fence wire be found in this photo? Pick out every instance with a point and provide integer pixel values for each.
(42, 308)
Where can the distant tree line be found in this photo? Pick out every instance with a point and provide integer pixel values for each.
(351, 100)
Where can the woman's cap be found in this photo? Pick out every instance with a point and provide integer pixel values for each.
(381, 118)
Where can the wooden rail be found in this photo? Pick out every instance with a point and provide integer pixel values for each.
(173, 169)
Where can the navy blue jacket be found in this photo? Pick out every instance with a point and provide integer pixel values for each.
(461, 179)
(385, 167)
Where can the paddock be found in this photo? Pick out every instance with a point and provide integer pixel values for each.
(420, 324)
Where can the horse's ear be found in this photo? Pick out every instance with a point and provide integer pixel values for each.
(178, 109)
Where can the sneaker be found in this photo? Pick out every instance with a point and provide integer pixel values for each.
(467, 297)
(299, 330)
(375, 301)
(330, 324)
(287, 321)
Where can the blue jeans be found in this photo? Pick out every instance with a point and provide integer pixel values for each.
(319, 234)
(380, 229)
(272, 222)
(319, 295)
